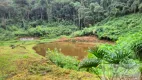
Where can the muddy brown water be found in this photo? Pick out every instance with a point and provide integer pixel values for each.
(78, 49)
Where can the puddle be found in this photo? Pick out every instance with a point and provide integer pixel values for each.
(28, 38)
(78, 49)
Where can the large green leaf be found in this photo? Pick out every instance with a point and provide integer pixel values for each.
(88, 63)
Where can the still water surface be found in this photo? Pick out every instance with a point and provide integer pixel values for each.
(78, 49)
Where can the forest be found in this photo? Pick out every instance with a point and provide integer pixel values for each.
(82, 13)
(70, 39)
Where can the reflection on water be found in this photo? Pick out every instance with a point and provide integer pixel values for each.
(67, 48)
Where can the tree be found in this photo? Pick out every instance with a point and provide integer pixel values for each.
(82, 13)
(140, 7)
(134, 6)
(79, 12)
(116, 8)
(98, 12)
(21, 6)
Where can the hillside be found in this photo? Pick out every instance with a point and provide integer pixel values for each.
(20, 18)
(114, 27)
(70, 39)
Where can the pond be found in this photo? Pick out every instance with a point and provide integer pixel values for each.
(78, 49)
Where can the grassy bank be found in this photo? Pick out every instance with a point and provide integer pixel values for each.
(22, 62)
(12, 59)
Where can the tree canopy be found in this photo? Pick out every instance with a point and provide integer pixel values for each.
(79, 12)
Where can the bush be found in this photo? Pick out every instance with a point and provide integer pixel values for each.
(7, 36)
(84, 32)
(52, 32)
(77, 33)
(61, 60)
(36, 23)
(38, 31)
(133, 42)
(20, 33)
(45, 31)
(12, 28)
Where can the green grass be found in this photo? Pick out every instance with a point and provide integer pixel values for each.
(17, 63)
(9, 57)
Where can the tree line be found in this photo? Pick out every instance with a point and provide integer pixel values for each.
(82, 13)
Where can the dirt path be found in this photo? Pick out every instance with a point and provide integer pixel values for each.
(93, 39)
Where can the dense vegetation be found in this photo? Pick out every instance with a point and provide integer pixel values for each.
(119, 60)
(113, 28)
(116, 20)
(61, 60)
(116, 60)
(14, 32)
(80, 12)
(18, 16)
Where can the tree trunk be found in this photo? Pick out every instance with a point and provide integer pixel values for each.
(41, 15)
(9, 15)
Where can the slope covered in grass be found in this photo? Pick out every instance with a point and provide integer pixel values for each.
(23, 63)
(113, 28)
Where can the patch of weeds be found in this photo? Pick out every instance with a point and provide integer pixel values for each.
(5, 62)
(61, 60)
(40, 69)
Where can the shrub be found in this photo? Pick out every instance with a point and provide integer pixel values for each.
(133, 43)
(84, 32)
(61, 60)
(12, 28)
(38, 31)
(36, 23)
(7, 36)
(20, 33)
(48, 32)
(77, 33)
